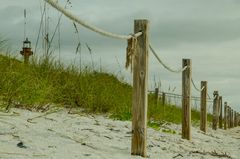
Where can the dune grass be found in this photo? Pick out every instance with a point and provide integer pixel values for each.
(47, 81)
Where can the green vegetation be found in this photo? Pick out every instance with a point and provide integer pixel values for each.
(46, 81)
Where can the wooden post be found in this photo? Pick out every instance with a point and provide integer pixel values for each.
(140, 87)
(235, 119)
(163, 98)
(220, 112)
(225, 116)
(238, 119)
(229, 117)
(186, 99)
(203, 115)
(163, 103)
(237, 116)
(215, 110)
(156, 95)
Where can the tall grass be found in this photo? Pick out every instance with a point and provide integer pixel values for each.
(47, 81)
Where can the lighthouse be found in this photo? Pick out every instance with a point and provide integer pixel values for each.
(26, 50)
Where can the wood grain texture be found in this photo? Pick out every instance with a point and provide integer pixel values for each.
(225, 116)
(186, 99)
(156, 95)
(235, 119)
(140, 83)
(220, 112)
(238, 119)
(203, 113)
(215, 110)
(229, 116)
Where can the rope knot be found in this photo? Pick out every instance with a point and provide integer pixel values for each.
(131, 52)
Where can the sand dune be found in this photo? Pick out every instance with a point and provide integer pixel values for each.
(59, 135)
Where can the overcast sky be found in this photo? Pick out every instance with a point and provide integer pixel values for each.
(206, 31)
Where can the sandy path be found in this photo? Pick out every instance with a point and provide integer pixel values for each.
(67, 136)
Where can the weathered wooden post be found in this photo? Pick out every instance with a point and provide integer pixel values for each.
(229, 117)
(163, 103)
(235, 119)
(156, 95)
(140, 87)
(220, 112)
(186, 99)
(225, 116)
(215, 110)
(238, 116)
(238, 119)
(163, 98)
(203, 115)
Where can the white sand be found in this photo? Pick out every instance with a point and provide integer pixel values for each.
(67, 136)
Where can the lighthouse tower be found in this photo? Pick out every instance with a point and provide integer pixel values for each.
(26, 49)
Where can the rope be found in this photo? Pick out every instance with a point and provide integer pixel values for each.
(87, 25)
(131, 52)
(199, 90)
(180, 96)
(208, 96)
(164, 65)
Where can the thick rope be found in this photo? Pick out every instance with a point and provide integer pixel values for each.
(87, 25)
(199, 90)
(164, 65)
